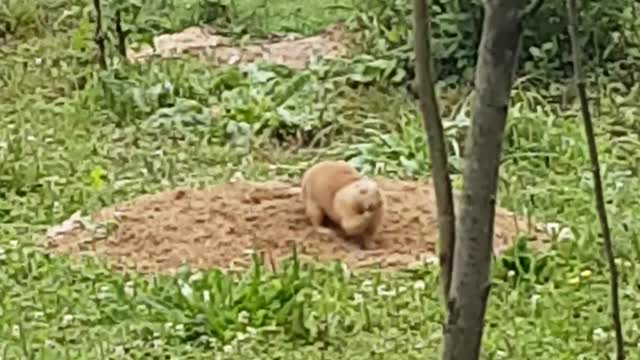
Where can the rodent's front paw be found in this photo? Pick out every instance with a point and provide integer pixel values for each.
(366, 243)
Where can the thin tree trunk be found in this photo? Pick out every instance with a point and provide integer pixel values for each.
(99, 36)
(470, 283)
(597, 182)
(436, 141)
(122, 36)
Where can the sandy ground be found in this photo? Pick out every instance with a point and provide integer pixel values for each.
(215, 227)
(294, 51)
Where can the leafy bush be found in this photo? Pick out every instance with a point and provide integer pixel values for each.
(142, 19)
(235, 104)
(18, 18)
(612, 36)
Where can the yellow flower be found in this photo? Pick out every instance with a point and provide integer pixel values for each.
(585, 273)
(574, 280)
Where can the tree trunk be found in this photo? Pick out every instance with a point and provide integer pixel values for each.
(435, 141)
(470, 283)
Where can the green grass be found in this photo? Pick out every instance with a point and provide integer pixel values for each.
(306, 16)
(72, 138)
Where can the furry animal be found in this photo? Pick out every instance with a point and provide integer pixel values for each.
(354, 202)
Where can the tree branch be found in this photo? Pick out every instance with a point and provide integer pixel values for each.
(532, 9)
(435, 141)
(597, 182)
(99, 37)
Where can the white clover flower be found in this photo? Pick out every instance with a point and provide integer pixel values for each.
(315, 295)
(206, 296)
(228, 348)
(129, 289)
(357, 298)
(566, 234)
(185, 289)
(142, 309)
(167, 86)
(38, 315)
(511, 273)
(430, 259)
(15, 331)
(119, 350)
(534, 299)
(213, 342)
(236, 177)
(243, 317)
(382, 291)
(599, 334)
(552, 228)
(67, 319)
(367, 286)
(419, 285)
(103, 292)
(195, 277)
(345, 271)
(50, 344)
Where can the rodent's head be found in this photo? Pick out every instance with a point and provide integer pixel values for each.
(368, 195)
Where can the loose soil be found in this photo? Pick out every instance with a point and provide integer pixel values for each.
(291, 50)
(215, 227)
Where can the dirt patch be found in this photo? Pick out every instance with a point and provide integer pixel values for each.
(216, 226)
(292, 50)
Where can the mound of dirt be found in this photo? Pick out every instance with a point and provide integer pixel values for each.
(216, 226)
(293, 51)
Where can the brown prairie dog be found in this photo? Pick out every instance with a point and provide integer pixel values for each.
(337, 190)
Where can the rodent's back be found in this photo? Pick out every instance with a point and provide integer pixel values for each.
(321, 182)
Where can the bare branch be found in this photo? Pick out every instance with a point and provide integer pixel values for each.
(436, 141)
(99, 36)
(532, 9)
(597, 182)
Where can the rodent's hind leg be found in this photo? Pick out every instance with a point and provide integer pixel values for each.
(314, 212)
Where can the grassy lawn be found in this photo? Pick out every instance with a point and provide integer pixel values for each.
(71, 140)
